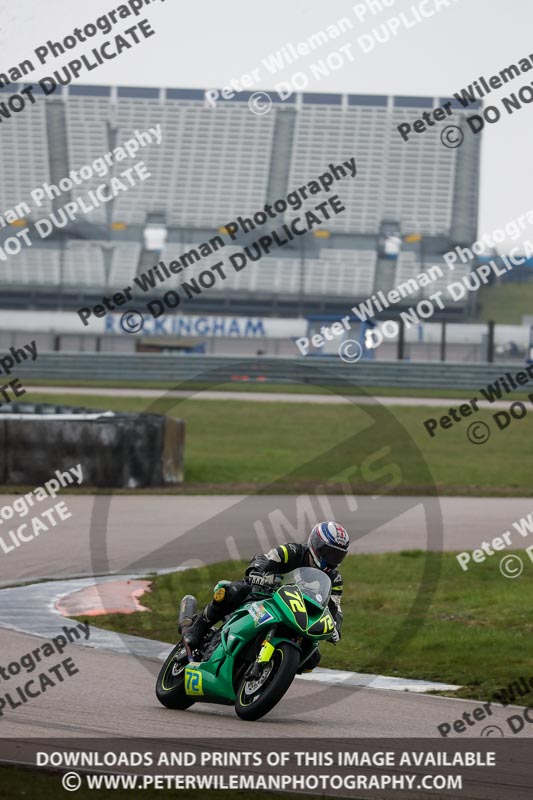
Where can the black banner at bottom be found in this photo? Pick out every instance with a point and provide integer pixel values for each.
(477, 769)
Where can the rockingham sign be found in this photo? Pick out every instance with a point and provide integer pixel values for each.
(172, 325)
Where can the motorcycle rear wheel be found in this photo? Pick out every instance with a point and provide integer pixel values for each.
(255, 698)
(170, 684)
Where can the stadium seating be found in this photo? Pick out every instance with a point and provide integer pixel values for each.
(35, 267)
(410, 266)
(215, 164)
(335, 273)
(326, 134)
(208, 168)
(24, 148)
(88, 138)
(342, 272)
(124, 263)
(84, 264)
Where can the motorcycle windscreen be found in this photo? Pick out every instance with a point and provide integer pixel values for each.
(314, 584)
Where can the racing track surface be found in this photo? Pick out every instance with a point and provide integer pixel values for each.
(264, 397)
(113, 694)
(161, 532)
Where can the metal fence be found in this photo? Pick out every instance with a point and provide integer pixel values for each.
(259, 370)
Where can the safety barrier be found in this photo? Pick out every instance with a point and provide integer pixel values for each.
(212, 370)
(114, 450)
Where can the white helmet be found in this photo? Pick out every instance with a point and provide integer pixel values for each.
(328, 544)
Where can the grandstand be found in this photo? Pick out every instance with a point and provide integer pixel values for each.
(217, 163)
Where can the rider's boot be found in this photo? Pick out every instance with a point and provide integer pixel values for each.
(197, 631)
(226, 597)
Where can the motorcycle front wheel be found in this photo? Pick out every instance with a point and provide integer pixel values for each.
(255, 697)
(170, 685)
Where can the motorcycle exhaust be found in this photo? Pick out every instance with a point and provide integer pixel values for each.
(188, 610)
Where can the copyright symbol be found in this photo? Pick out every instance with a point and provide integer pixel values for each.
(132, 321)
(350, 351)
(478, 433)
(260, 103)
(511, 566)
(452, 137)
(492, 730)
(71, 781)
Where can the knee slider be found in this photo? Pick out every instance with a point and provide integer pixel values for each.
(220, 591)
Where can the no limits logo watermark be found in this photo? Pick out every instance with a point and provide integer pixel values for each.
(257, 523)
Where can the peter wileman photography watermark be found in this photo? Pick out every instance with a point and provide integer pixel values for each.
(503, 697)
(492, 393)
(8, 362)
(87, 62)
(42, 522)
(511, 566)
(57, 219)
(331, 61)
(48, 678)
(269, 242)
(470, 96)
(351, 351)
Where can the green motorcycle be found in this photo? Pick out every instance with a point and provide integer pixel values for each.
(251, 660)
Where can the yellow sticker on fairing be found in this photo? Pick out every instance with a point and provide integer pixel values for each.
(193, 681)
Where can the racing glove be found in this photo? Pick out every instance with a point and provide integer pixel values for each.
(258, 579)
(335, 636)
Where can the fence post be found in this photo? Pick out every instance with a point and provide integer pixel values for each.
(490, 342)
(401, 340)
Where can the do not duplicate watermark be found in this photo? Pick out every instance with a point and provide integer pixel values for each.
(363, 41)
(40, 523)
(8, 362)
(272, 239)
(48, 678)
(469, 98)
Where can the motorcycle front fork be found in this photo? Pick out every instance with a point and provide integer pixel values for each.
(265, 653)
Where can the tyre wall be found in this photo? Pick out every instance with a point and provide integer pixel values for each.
(122, 450)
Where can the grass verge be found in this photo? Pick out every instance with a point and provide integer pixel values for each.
(505, 303)
(475, 631)
(237, 446)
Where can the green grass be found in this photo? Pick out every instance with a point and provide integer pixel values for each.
(235, 446)
(475, 631)
(505, 303)
(29, 784)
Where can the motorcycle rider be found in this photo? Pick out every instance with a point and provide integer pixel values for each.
(325, 549)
